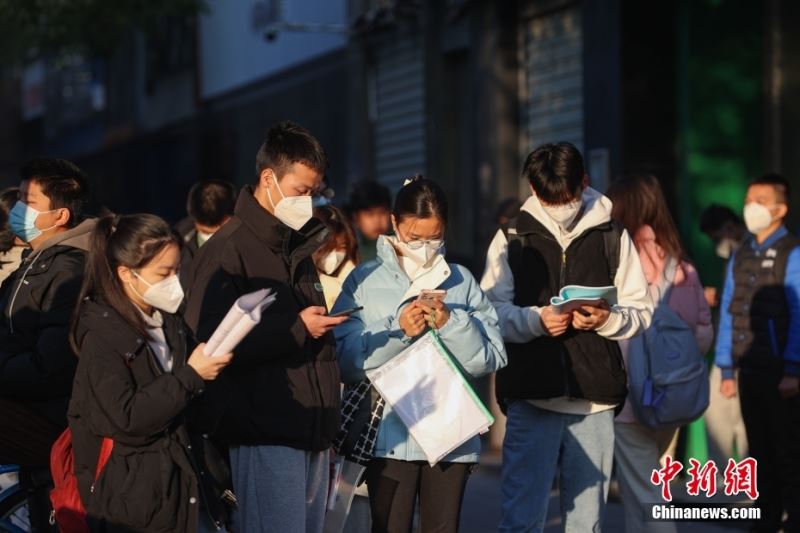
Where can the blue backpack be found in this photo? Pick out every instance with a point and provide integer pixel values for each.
(668, 376)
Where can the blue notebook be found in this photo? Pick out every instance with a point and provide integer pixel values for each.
(573, 297)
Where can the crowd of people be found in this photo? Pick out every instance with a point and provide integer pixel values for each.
(104, 324)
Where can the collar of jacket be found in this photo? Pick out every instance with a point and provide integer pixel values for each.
(279, 237)
(431, 277)
(103, 318)
(527, 224)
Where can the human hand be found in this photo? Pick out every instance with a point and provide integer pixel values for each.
(554, 324)
(317, 321)
(208, 367)
(591, 318)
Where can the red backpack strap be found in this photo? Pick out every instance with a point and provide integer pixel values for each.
(105, 453)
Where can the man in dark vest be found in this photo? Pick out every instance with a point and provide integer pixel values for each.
(759, 334)
(565, 374)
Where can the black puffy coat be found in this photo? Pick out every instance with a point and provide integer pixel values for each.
(151, 481)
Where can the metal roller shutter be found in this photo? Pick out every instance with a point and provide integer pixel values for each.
(553, 79)
(398, 107)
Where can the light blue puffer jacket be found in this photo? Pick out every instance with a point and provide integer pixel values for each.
(373, 336)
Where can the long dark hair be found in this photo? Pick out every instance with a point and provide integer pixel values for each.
(340, 228)
(421, 198)
(131, 241)
(639, 201)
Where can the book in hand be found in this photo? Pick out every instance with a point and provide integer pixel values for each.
(573, 297)
(243, 316)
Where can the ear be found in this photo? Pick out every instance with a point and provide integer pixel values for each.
(64, 216)
(586, 181)
(266, 177)
(394, 220)
(533, 192)
(124, 273)
(783, 210)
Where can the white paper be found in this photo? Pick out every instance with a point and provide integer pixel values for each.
(242, 317)
(572, 297)
(432, 398)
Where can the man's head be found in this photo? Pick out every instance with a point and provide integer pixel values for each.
(371, 208)
(211, 204)
(53, 193)
(766, 204)
(557, 178)
(290, 163)
(556, 173)
(723, 227)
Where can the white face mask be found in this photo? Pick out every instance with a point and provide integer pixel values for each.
(166, 295)
(725, 247)
(421, 257)
(294, 211)
(757, 217)
(563, 215)
(332, 261)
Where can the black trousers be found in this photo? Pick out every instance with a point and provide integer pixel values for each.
(773, 435)
(394, 487)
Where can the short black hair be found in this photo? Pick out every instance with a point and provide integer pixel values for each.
(421, 198)
(288, 143)
(781, 185)
(555, 171)
(369, 194)
(715, 216)
(211, 201)
(61, 181)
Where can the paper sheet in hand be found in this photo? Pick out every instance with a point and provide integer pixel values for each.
(573, 297)
(243, 316)
(430, 395)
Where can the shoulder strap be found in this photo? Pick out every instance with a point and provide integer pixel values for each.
(611, 239)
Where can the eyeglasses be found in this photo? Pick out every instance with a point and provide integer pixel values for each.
(434, 244)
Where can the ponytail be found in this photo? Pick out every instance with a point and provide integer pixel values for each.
(131, 241)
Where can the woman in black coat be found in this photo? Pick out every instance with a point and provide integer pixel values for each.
(134, 383)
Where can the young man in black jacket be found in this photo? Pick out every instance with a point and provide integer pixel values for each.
(37, 301)
(277, 405)
(565, 375)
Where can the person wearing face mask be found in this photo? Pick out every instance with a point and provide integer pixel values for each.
(210, 205)
(759, 335)
(338, 256)
(138, 373)
(36, 302)
(277, 406)
(565, 376)
(392, 318)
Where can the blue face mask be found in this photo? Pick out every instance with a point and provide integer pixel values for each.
(22, 221)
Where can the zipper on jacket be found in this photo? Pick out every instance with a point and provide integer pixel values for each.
(562, 280)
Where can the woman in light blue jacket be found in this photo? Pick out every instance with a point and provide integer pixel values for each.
(392, 318)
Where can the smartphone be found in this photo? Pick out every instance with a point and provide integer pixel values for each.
(347, 312)
(427, 296)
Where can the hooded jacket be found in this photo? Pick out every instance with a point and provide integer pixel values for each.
(158, 477)
(521, 324)
(373, 336)
(37, 301)
(282, 387)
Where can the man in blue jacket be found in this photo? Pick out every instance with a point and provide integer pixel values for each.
(760, 335)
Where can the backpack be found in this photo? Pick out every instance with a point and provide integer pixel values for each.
(68, 510)
(668, 376)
